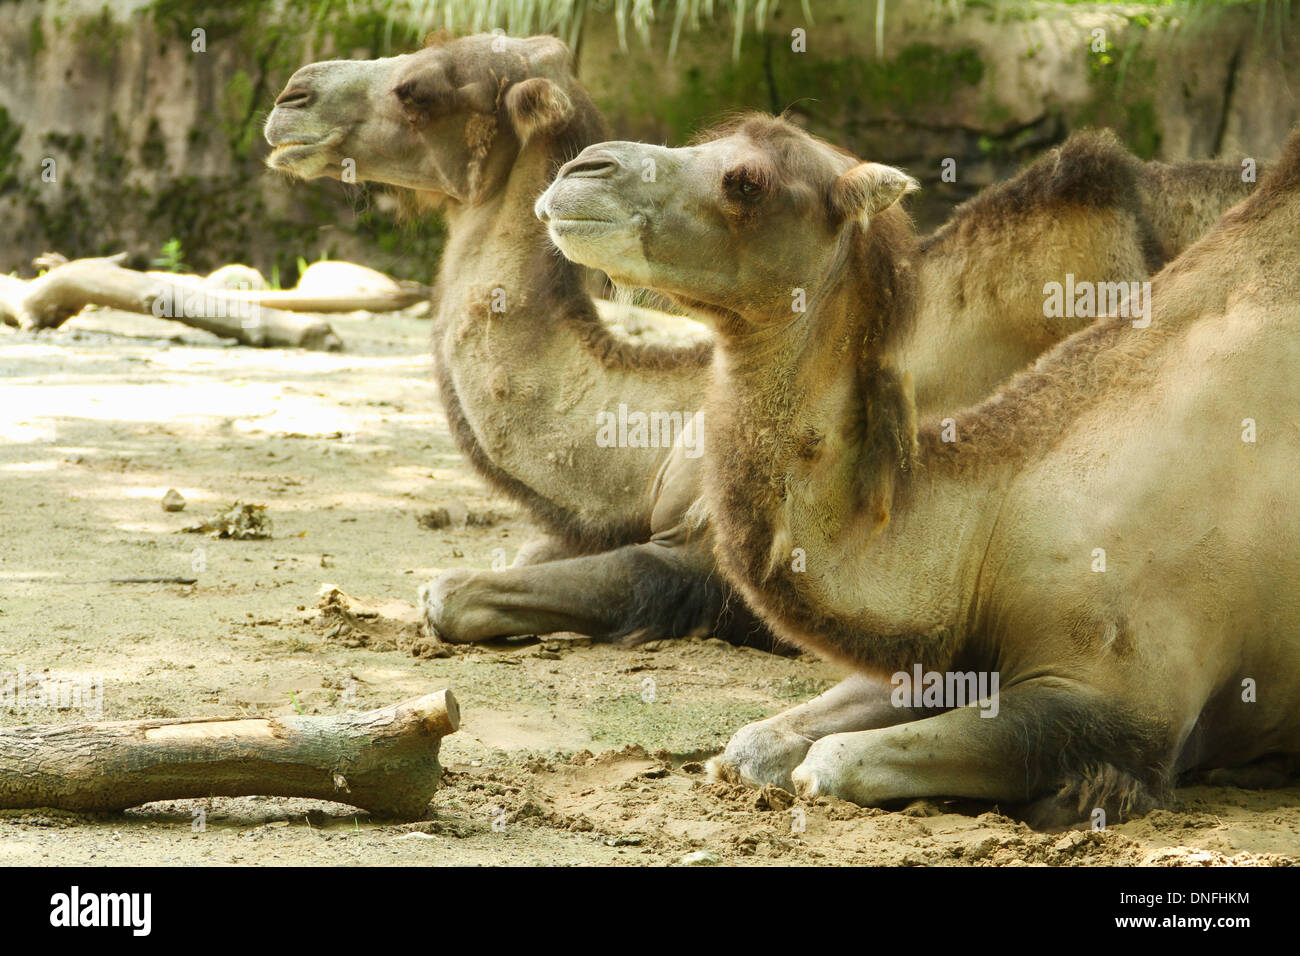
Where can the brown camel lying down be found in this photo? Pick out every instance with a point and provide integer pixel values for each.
(1106, 554)
(477, 127)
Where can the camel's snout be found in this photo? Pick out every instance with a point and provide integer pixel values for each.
(591, 187)
(312, 114)
(319, 101)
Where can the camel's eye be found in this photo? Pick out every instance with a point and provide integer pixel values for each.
(422, 99)
(405, 92)
(743, 185)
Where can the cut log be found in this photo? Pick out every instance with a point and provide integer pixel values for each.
(384, 761)
(294, 301)
(49, 301)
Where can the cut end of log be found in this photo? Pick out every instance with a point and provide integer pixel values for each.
(438, 713)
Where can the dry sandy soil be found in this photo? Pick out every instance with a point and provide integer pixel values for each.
(565, 756)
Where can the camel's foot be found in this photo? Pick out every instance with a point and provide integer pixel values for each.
(1038, 745)
(442, 601)
(831, 768)
(761, 753)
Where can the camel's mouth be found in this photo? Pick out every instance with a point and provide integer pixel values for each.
(300, 154)
(286, 155)
(582, 226)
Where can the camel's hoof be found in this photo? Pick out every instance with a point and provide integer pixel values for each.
(760, 754)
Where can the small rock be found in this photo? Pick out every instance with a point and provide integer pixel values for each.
(430, 648)
(239, 521)
(773, 798)
(623, 840)
(700, 858)
(173, 501)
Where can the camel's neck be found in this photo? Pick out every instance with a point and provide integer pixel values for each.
(499, 243)
(529, 374)
(835, 532)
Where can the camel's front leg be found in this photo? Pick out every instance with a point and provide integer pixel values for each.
(766, 751)
(1048, 738)
(647, 590)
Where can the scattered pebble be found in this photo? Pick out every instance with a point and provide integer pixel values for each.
(700, 858)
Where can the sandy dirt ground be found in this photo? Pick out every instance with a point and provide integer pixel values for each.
(570, 753)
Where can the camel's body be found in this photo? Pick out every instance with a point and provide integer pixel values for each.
(980, 554)
(522, 387)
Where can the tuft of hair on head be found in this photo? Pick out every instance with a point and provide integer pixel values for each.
(868, 189)
(538, 107)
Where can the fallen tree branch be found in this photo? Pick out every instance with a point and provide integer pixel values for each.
(384, 761)
(50, 300)
(410, 293)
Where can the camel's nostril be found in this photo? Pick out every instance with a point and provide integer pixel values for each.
(296, 96)
(594, 168)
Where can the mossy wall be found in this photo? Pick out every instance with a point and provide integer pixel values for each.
(119, 129)
(152, 139)
(989, 89)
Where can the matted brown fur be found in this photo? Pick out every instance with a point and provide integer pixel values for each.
(1092, 169)
(884, 283)
(1025, 415)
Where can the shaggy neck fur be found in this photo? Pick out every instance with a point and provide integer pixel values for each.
(811, 446)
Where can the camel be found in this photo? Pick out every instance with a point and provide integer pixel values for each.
(477, 127)
(1105, 556)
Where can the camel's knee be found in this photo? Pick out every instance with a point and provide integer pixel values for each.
(449, 606)
(761, 753)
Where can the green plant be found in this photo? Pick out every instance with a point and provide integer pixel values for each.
(170, 257)
(565, 18)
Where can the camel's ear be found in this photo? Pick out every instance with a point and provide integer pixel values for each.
(536, 105)
(869, 188)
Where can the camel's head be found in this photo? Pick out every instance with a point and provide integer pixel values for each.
(742, 222)
(449, 119)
